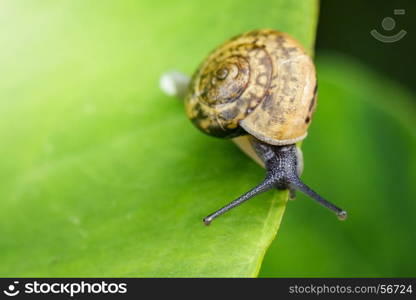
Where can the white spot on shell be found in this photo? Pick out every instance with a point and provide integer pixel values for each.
(174, 83)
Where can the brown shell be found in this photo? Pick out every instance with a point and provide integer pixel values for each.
(261, 82)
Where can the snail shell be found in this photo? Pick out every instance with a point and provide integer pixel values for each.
(262, 83)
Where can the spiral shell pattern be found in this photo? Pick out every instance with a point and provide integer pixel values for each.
(261, 82)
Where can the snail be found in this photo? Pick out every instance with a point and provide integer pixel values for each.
(260, 89)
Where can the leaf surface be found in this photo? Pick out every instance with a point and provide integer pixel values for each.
(103, 175)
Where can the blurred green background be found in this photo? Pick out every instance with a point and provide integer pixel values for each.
(102, 175)
(344, 27)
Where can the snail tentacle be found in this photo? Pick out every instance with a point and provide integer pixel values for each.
(282, 173)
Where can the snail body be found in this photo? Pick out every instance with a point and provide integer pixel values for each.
(260, 89)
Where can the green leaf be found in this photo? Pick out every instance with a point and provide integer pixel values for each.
(361, 153)
(103, 175)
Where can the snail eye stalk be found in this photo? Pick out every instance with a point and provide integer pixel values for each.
(281, 166)
(267, 184)
(299, 185)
